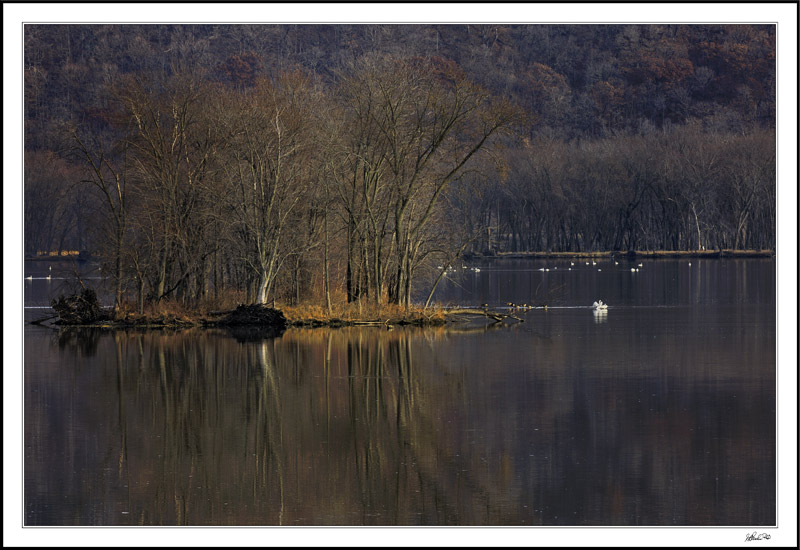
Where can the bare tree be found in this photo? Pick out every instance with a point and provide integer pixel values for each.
(426, 121)
(108, 174)
(271, 129)
(170, 149)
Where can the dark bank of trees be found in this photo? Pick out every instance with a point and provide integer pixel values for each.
(329, 162)
(680, 189)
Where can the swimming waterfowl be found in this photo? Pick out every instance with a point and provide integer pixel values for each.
(599, 305)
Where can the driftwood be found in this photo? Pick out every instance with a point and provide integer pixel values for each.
(368, 323)
(495, 315)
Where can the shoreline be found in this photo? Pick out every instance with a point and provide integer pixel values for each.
(277, 321)
(259, 317)
(384, 316)
(635, 254)
(152, 323)
(717, 253)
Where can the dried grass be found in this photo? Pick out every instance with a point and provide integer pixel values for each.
(364, 312)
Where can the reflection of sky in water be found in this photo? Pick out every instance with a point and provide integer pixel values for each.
(665, 282)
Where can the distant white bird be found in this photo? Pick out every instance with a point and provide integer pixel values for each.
(633, 270)
(640, 265)
(690, 264)
(572, 263)
(29, 278)
(587, 263)
(599, 305)
(541, 269)
(616, 263)
(598, 269)
(48, 277)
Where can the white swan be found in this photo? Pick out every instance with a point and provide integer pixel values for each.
(599, 305)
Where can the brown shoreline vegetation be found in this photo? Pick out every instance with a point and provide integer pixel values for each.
(82, 310)
(291, 316)
(385, 316)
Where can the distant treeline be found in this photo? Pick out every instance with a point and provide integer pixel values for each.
(310, 161)
(681, 189)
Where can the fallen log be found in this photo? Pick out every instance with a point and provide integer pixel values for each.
(495, 315)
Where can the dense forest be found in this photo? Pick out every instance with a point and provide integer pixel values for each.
(301, 162)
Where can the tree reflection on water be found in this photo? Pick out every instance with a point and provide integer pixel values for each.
(361, 426)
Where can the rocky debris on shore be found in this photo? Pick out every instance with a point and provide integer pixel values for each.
(81, 308)
(253, 315)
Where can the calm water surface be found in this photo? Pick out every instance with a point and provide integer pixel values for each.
(660, 412)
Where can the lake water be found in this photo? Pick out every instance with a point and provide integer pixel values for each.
(660, 412)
